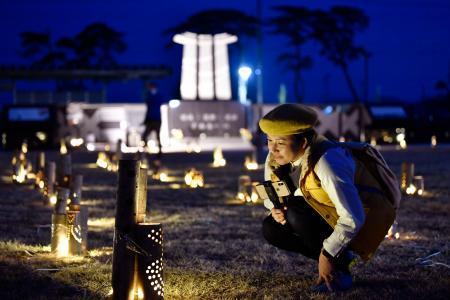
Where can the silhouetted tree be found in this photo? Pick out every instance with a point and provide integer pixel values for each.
(94, 46)
(215, 21)
(39, 47)
(335, 31)
(295, 24)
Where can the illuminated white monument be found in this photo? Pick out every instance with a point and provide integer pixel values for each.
(205, 72)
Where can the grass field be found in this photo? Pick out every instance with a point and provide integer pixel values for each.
(213, 247)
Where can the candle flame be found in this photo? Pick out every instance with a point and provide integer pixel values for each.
(52, 199)
(219, 161)
(63, 147)
(250, 164)
(433, 141)
(194, 178)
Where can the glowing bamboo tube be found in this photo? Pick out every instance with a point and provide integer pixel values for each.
(60, 232)
(407, 175)
(49, 190)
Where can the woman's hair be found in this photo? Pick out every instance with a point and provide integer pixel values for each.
(310, 135)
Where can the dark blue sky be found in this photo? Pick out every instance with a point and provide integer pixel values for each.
(409, 41)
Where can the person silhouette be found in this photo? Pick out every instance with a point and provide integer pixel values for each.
(152, 119)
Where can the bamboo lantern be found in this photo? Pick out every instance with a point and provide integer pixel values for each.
(75, 192)
(419, 184)
(137, 255)
(407, 175)
(77, 231)
(60, 233)
(149, 272)
(49, 189)
(77, 218)
(40, 169)
(64, 170)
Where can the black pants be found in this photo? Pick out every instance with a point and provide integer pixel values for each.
(304, 231)
(153, 126)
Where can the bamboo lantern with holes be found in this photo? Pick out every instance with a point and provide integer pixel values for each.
(77, 218)
(149, 271)
(77, 231)
(60, 237)
(137, 245)
(64, 170)
(407, 175)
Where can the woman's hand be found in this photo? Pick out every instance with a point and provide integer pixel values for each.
(326, 271)
(278, 215)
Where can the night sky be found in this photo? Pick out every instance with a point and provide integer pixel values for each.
(409, 41)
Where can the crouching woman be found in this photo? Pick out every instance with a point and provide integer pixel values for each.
(337, 208)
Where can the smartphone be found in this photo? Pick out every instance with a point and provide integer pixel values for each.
(281, 188)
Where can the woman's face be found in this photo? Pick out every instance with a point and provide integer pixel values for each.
(284, 149)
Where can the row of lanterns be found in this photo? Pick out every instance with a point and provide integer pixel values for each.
(400, 138)
(61, 190)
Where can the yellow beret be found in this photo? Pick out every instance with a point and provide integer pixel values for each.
(288, 119)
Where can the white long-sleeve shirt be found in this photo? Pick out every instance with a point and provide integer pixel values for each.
(336, 171)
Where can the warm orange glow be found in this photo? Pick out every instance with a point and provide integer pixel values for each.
(194, 178)
(250, 164)
(254, 197)
(393, 232)
(411, 189)
(433, 141)
(403, 144)
(62, 249)
(76, 142)
(52, 199)
(21, 174)
(102, 160)
(219, 160)
(246, 134)
(63, 147)
(24, 147)
(163, 177)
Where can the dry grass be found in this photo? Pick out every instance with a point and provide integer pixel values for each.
(214, 249)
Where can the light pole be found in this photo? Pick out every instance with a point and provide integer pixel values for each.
(244, 74)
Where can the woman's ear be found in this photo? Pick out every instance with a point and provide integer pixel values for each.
(304, 144)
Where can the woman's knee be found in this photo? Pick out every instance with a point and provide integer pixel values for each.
(296, 221)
